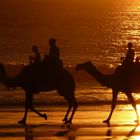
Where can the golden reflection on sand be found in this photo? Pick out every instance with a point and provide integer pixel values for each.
(87, 125)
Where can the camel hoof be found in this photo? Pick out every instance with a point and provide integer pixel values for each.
(44, 116)
(106, 121)
(65, 120)
(69, 122)
(22, 122)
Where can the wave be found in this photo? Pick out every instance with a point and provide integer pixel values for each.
(87, 96)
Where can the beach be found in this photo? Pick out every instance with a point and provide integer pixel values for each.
(94, 107)
(87, 124)
(85, 30)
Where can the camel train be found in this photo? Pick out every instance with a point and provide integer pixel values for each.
(31, 81)
(45, 76)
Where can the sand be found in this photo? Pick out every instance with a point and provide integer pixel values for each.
(87, 124)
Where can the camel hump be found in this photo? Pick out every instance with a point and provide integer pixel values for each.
(132, 69)
(42, 72)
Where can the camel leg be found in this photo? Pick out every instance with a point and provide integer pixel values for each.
(38, 113)
(30, 104)
(70, 98)
(114, 99)
(67, 113)
(131, 100)
(75, 105)
(23, 121)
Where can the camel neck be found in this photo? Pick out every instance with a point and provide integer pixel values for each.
(100, 77)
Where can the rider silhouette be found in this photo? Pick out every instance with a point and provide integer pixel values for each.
(36, 59)
(54, 52)
(129, 58)
(54, 56)
(126, 70)
(51, 62)
(127, 63)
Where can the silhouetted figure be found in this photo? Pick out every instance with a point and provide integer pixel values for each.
(27, 79)
(116, 82)
(128, 65)
(129, 58)
(54, 52)
(127, 62)
(51, 62)
(36, 59)
(54, 55)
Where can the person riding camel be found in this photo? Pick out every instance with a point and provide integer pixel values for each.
(129, 58)
(36, 59)
(52, 60)
(127, 62)
(54, 52)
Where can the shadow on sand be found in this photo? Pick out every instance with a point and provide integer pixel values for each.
(128, 136)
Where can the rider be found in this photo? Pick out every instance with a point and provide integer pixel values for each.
(36, 59)
(127, 61)
(54, 55)
(125, 72)
(129, 58)
(51, 62)
(54, 52)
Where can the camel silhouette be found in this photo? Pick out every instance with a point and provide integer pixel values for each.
(117, 81)
(30, 79)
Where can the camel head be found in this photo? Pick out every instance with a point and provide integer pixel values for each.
(83, 66)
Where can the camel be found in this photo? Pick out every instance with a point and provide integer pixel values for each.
(30, 79)
(122, 80)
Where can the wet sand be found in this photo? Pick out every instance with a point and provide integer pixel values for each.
(87, 124)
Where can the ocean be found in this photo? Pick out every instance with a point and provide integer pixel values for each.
(96, 30)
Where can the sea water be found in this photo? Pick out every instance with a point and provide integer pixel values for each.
(96, 30)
